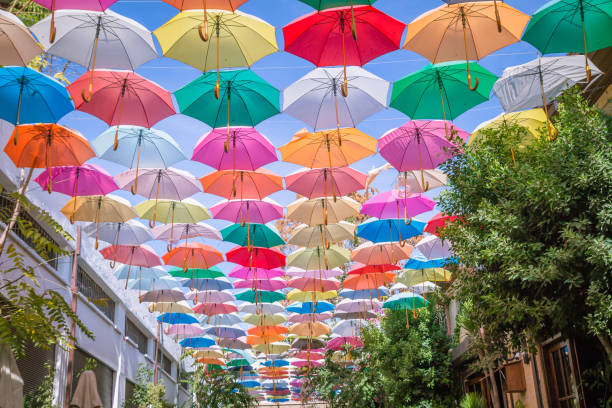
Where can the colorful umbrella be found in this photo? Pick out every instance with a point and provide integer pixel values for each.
(130, 232)
(322, 210)
(252, 235)
(250, 273)
(309, 329)
(432, 247)
(329, 37)
(413, 184)
(389, 230)
(193, 255)
(364, 293)
(359, 268)
(87, 179)
(133, 255)
(155, 272)
(242, 184)
(177, 318)
(182, 230)
(406, 301)
(349, 328)
(256, 257)
(297, 295)
(97, 209)
(438, 222)
(264, 319)
(202, 284)
(317, 235)
(567, 26)
(314, 285)
(316, 183)
(122, 97)
(31, 97)
(320, 274)
(310, 307)
(210, 296)
(210, 273)
(266, 331)
(226, 332)
(197, 342)
(161, 295)
(367, 281)
(440, 34)
(255, 211)
(412, 277)
(395, 204)
(186, 330)
(361, 305)
(266, 308)
(379, 254)
(261, 284)
(338, 343)
(213, 309)
(17, 44)
(319, 257)
(309, 317)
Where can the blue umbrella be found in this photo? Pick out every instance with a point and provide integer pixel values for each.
(276, 363)
(221, 319)
(153, 283)
(197, 342)
(207, 284)
(31, 97)
(418, 264)
(389, 230)
(144, 273)
(177, 318)
(241, 368)
(309, 307)
(364, 293)
(249, 383)
(226, 332)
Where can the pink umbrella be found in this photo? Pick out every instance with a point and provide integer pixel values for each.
(244, 272)
(306, 363)
(252, 211)
(184, 330)
(309, 317)
(133, 255)
(316, 183)
(314, 284)
(419, 145)
(122, 97)
(84, 180)
(312, 355)
(179, 231)
(248, 149)
(314, 274)
(394, 204)
(261, 284)
(337, 343)
(212, 309)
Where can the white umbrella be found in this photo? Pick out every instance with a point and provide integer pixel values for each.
(432, 247)
(176, 232)
(316, 98)
(265, 308)
(210, 296)
(425, 287)
(361, 305)
(349, 328)
(525, 86)
(130, 232)
(221, 319)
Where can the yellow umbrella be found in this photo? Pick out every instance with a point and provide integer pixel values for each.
(272, 348)
(319, 257)
(308, 296)
(98, 208)
(239, 40)
(170, 307)
(306, 236)
(322, 210)
(465, 31)
(264, 319)
(309, 329)
(210, 353)
(412, 277)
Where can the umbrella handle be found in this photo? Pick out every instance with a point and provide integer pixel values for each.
(344, 86)
(353, 23)
(467, 54)
(52, 30)
(337, 114)
(152, 222)
(469, 76)
(134, 187)
(203, 35)
(112, 265)
(227, 140)
(16, 131)
(497, 17)
(217, 85)
(93, 65)
(584, 42)
(172, 229)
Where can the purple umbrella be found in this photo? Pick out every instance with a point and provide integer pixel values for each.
(184, 330)
(210, 296)
(248, 149)
(84, 180)
(252, 211)
(395, 203)
(419, 145)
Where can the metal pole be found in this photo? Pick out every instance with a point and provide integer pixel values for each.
(74, 290)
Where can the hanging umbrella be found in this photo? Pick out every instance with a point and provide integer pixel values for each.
(188, 330)
(432, 247)
(317, 183)
(182, 230)
(319, 274)
(260, 296)
(242, 184)
(425, 287)
(130, 232)
(264, 319)
(303, 344)
(339, 343)
(314, 284)
(359, 268)
(245, 272)
(265, 308)
(252, 235)
(266, 331)
(210, 296)
(349, 328)
(124, 272)
(234, 344)
(367, 281)
(226, 332)
(122, 98)
(356, 315)
(314, 99)
(322, 210)
(318, 257)
(406, 301)
(389, 230)
(378, 254)
(193, 255)
(343, 36)
(419, 145)
(256, 257)
(135, 255)
(318, 235)
(17, 44)
(205, 284)
(309, 329)
(211, 273)
(261, 284)
(248, 149)
(87, 179)
(197, 342)
(441, 91)
(255, 211)
(465, 31)
(31, 97)
(310, 307)
(438, 222)
(412, 183)
(212, 309)
(364, 293)
(566, 26)
(162, 295)
(210, 352)
(245, 100)
(297, 295)
(97, 209)
(361, 305)
(177, 318)
(395, 204)
(309, 317)
(412, 277)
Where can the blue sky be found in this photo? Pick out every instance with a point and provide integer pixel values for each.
(281, 69)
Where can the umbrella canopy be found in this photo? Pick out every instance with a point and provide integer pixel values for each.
(182, 230)
(260, 296)
(389, 230)
(412, 183)
(247, 149)
(241, 184)
(31, 97)
(256, 211)
(432, 247)
(135, 255)
(159, 183)
(273, 348)
(164, 295)
(318, 274)
(367, 281)
(265, 308)
(156, 284)
(257, 257)
(212, 309)
(210, 296)
(378, 254)
(317, 235)
(396, 204)
(229, 319)
(309, 317)
(211, 273)
(261, 284)
(230, 5)
(226, 332)
(338, 343)
(309, 329)
(170, 211)
(314, 99)
(17, 45)
(406, 300)
(303, 296)
(359, 268)
(236, 344)
(412, 277)
(322, 210)
(203, 285)
(317, 183)
(252, 235)
(130, 232)
(246, 272)
(265, 319)
(124, 272)
(349, 328)
(266, 331)
(310, 307)
(364, 293)
(438, 222)
(319, 257)
(87, 179)
(193, 255)
(313, 284)
(187, 330)
(361, 305)
(177, 318)
(197, 342)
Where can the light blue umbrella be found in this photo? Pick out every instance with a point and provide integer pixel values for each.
(197, 342)
(364, 293)
(31, 97)
(207, 284)
(155, 272)
(177, 318)
(226, 332)
(275, 363)
(153, 283)
(389, 230)
(221, 319)
(309, 307)
(420, 264)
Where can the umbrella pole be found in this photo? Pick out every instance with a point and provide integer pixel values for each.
(337, 116)
(152, 222)
(129, 267)
(93, 64)
(584, 42)
(76, 187)
(116, 243)
(344, 86)
(497, 17)
(467, 54)
(204, 34)
(97, 220)
(52, 30)
(47, 163)
(443, 110)
(172, 227)
(116, 142)
(544, 104)
(16, 131)
(226, 144)
(218, 84)
(331, 174)
(353, 23)
(424, 184)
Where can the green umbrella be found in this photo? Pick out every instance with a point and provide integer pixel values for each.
(252, 235)
(239, 362)
(211, 273)
(571, 26)
(406, 301)
(260, 296)
(441, 91)
(319, 257)
(245, 99)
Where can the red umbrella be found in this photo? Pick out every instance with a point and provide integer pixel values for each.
(193, 255)
(122, 98)
(438, 222)
(256, 257)
(212, 309)
(360, 269)
(367, 281)
(325, 37)
(317, 183)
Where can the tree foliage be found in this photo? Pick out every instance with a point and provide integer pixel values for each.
(535, 245)
(146, 393)
(217, 388)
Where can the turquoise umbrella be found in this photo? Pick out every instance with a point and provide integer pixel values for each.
(567, 26)
(260, 296)
(245, 99)
(31, 97)
(252, 235)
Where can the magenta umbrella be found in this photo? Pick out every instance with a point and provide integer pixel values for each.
(244, 272)
(309, 317)
(132, 255)
(419, 145)
(394, 203)
(316, 183)
(84, 180)
(248, 149)
(337, 343)
(184, 330)
(252, 211)
(261, 284)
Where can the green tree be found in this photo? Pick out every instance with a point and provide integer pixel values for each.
(42, 396)
(146, 393)
(217, 388)
(534, 243)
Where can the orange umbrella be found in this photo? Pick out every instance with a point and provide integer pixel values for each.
(230, 184)
(254, 340)
(380, 254)
(267, 331)
(193, 255)
(207, 360)
(309, 329)
(367, 281)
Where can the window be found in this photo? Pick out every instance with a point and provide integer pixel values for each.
(104, 376)
(6, 203)
(560, 376)
(130, 388)
(94, 292)
(31, 366)
(164, 362)
(136, 335)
